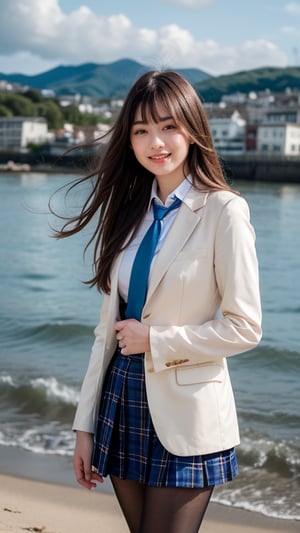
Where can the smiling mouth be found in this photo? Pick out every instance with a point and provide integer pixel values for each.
(159, 157)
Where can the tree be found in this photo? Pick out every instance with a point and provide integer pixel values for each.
(51, 111)
(4, 111)
(34, 95)
(71, 114)
(19, 105)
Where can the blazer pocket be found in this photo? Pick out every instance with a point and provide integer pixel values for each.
(198, 374)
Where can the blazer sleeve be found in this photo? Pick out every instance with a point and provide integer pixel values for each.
(85, 414)
(238, 326)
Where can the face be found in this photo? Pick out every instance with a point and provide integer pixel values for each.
(161, 148)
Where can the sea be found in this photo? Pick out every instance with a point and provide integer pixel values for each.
(48, 313)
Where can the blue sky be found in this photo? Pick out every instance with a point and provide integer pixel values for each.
(218, 36)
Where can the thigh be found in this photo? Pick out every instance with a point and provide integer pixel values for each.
(130, 495)
(174, 509)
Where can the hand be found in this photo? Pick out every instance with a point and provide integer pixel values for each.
(132, 336)
(82, 461)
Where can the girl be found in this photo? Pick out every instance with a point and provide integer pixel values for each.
(156, 411)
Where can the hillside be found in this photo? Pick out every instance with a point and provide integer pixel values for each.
(111, 80)
(274, 79)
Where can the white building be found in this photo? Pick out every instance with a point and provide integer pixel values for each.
(229, 134)
(281, 139)
(16, 133)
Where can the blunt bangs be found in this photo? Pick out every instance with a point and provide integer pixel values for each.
(155, 96)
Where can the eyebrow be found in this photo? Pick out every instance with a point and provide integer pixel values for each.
(161, 119)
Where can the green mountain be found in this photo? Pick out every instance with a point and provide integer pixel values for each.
(261, 79)
(111, 80)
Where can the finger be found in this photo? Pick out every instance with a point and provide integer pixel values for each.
(86, 484)
(122, 344)
(90, 483)
(119, 325)
(97, 477)
(88, 480)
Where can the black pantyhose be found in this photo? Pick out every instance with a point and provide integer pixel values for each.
(161, 509)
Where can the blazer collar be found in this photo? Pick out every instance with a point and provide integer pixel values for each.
(195, 199)
(187, 219)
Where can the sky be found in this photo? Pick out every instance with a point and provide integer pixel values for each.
(217, 36)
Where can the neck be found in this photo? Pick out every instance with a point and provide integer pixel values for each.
(165, 187)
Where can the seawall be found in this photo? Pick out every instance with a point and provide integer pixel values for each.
(281, 169)
(263, 168)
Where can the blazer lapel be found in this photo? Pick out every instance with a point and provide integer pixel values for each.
(189, 216)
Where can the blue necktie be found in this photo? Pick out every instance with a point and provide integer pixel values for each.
(141, 266)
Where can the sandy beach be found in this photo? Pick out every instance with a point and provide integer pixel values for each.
(28, 505)
(39, 494)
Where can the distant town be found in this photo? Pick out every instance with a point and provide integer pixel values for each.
(262, 124)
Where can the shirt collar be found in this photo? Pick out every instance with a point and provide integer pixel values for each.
(179, 192)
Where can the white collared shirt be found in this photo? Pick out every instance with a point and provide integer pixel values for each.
(131, 249)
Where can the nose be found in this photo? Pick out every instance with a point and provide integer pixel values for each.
(156, 141)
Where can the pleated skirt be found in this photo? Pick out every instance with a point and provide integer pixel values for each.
(126, 444)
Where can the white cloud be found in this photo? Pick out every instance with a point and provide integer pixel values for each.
(289, 30)
(182, 49)
(193, 4)
(24, 62)
(41, 31)
(293, 8)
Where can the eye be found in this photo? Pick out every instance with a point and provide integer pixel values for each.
(170, 127)
(139, 131)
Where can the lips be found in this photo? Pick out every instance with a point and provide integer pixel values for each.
(159, 157)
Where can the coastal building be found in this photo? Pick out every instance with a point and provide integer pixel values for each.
(279, 138)
(17, 133)
(229, 132)
(59, 141)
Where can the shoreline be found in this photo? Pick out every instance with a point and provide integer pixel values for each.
(249, 166)
(40, 492)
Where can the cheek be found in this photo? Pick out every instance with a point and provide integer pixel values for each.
(182, 144)
(136, 147)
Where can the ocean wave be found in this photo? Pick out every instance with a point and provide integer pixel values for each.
(60, 331)
(263, 491)
(46, 397)
(284, 309)
(37, 417)
(280, 457)
(275, 418)
(267, 482)
(277, 507)
(275, 358)
(46, 440)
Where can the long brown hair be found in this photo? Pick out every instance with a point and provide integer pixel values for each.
(121, 191)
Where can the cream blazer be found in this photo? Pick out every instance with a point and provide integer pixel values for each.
(203, 305)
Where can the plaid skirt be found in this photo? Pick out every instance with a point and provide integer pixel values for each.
(127, 446)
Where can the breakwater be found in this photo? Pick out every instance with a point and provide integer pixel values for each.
(275, 169)
(249, 167)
